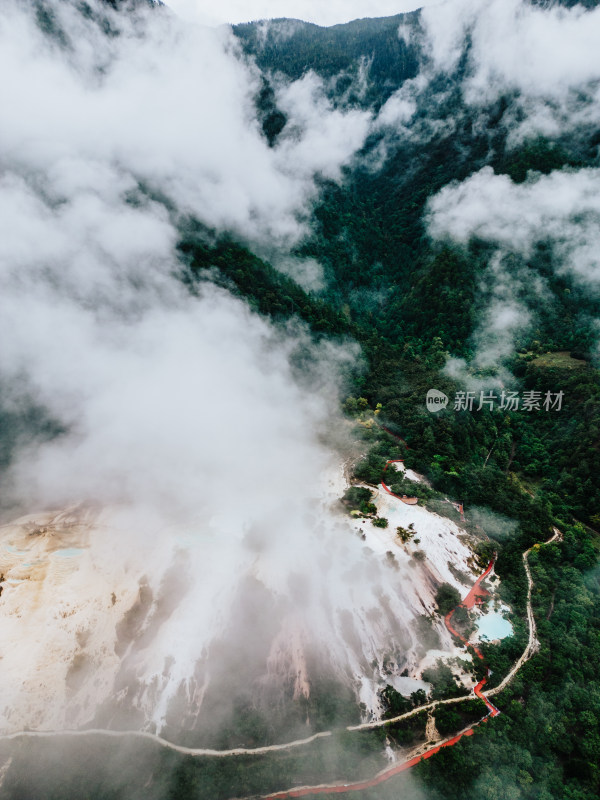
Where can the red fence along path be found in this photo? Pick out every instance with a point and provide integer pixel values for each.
(476, 593)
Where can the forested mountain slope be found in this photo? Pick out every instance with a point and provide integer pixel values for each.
(421, 299)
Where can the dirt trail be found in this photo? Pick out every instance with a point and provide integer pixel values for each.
(532, 642)
(188, 751)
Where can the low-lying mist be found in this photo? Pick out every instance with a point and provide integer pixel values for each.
(181, 417)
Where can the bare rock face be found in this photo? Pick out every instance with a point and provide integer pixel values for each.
(59, 615)
(90, 639)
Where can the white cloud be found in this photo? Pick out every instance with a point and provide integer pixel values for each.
(185, 416)
(399, 109)
(174, 106)
(305, 271)
(562, 208)
(548, 56)
(502, 317)
(319, 138)
(515, 44)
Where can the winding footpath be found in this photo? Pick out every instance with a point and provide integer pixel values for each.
(532, 643)
(380, 777)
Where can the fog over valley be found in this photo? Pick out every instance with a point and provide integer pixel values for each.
(240, 553)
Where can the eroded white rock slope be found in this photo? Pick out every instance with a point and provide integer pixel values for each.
(90, 634)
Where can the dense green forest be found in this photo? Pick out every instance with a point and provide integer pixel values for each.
(339, 51)
(413, 302)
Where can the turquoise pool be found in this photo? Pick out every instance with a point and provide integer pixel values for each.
(493, 626)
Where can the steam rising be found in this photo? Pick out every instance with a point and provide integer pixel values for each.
(183, 416)
(93, 320)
